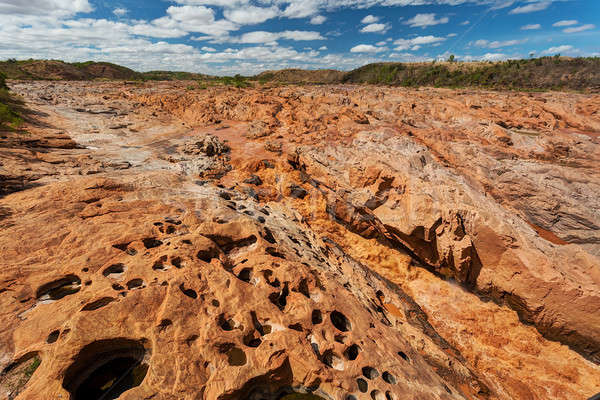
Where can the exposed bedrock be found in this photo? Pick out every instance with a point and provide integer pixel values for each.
(407, 200)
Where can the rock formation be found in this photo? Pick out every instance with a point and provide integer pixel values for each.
(299, 242)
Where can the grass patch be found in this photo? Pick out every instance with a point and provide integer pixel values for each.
(10, 117)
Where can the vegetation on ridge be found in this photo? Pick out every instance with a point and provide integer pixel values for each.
(545, 73)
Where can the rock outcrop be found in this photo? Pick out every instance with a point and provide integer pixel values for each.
(299, 242)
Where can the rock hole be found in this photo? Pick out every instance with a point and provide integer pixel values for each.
(226, 324)
(296, 327)
(191, 339)
(273, 252)
(105, 369)
(363, 386)
(207, 254)
(228, 245)
(340, 338)
(177, 262)
(164, 325)
(389, 378)
(150, 243)
(403, 355)
(245, 275)
(280, 298)
(351, 397)
(377, 395)
(351, 353)
(390, 396)
(170, 229)
(117, 287)
(59, 288)
(303, 288)
(235, 356)
(188, 292)
(114, 271)
(252, 339)
(94, 305)
(53, 337)
(136, 283)
(370, 373)
(268, 236)
(86, 269)
(317, 317)
(340, 321)
(159, 265)
(332, 360)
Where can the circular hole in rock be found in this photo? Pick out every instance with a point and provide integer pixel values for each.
(53, 337)
(59, 288)
(340, 321)
(352, 352)
(105, 369)
(225, 324)
(370, 372)
(317, 317)
(245, 275)
(363, 386)
(188, 292)
(403, 355)
(351, 397)
(377, 395)
(136, 283)
(114, 271)
(390, 396)
(389, 378)
(236, 357)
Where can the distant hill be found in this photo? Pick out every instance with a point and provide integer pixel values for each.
(545, 73)
(59, 70)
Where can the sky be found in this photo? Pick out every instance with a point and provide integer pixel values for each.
(225, 37)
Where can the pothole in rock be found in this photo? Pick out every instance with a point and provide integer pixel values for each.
(340, 321)
(105, 369)
(114, 271)
(59, 288)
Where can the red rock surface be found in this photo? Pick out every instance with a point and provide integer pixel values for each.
(247, 243)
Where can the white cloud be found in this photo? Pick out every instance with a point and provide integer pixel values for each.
(531, 27)
(569, 22)
(318, 20)
(119, 12)
(558, 49)
(369, 19)
(467, 22)
(323, 48)
(405, 44)
(208, 49)
(493, 57)
(424, 20)
(45, 7)
(265, 37)
(249, 15)
(532, 7)
(367, 48)
(495, 44)
(375, 28)
(451, 35)
(579, 28)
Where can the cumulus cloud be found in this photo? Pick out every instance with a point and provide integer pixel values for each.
(467, 22)
(579, 28)
(367, 48)
(568, 22)
(532, 7)
(119, 12)
(369, 19)
(405, 44)
(249, 15)
(493, 57)
(375, 28)
(265, 37)
(318, 20)
(495, 44)
(44, 7)
(424, 20)
(531, 27)
(558, 49)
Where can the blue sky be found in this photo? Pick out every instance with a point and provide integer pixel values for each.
(248, 36)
